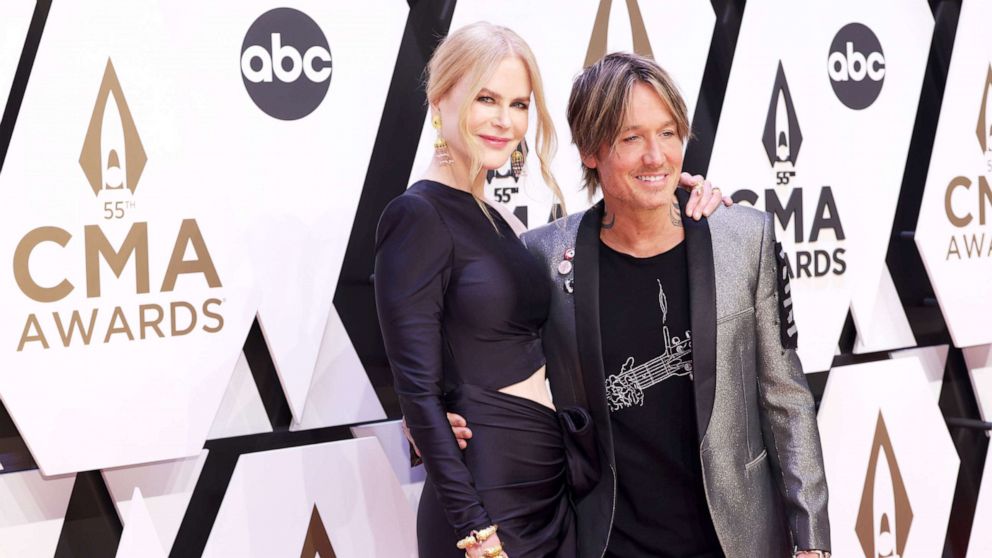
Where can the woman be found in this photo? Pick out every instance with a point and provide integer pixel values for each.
(461, 303)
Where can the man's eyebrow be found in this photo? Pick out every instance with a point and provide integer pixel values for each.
(666, 124)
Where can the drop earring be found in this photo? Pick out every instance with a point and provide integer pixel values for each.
(517, 161)
(441, 146)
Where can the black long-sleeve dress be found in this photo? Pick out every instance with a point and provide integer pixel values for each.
(460, 307)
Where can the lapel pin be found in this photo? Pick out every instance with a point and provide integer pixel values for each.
(569, 286)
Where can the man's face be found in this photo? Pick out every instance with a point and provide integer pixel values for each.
(641, 169)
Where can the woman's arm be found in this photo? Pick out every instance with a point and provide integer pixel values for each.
(412, 266)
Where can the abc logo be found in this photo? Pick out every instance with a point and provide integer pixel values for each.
(286, 63)
(856, 66)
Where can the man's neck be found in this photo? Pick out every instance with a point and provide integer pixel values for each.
(642, 234)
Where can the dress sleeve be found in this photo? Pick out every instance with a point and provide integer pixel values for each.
(412, 266)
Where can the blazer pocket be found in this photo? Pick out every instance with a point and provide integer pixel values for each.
(737, 314)
(756, 461)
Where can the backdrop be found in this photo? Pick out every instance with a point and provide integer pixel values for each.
(190, 359)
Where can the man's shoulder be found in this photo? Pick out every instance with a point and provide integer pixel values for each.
(738, 221)
(738, 234)
(547, 238)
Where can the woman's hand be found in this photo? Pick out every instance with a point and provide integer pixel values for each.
(705, 198)
(479, 551)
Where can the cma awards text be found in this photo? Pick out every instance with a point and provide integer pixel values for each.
(803, 263)
(131, 320)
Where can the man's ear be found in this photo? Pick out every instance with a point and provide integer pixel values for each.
(589, 161)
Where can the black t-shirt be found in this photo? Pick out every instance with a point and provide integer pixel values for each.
(661, 507)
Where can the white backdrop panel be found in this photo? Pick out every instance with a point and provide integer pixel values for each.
(978, 359)
(309, 174)
(139, 539)
(397, 450)
(340, 391)
(124, 111)
(954, 232)
(933, 360)
(889, 329)
(979, 362)
(792, 133)
(165, 489)
(241, 411)
(890, 463)
(980, 544)
(270, 501)
(32, 510)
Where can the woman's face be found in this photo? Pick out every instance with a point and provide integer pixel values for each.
(497, 117)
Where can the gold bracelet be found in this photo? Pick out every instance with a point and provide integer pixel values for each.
(493, 551)
(467, 542)
(484, 534)
(476, 537)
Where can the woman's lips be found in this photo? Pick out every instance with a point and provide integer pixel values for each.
(495, 141)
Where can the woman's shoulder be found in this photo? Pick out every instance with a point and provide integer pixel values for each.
(420, 199)
(414, 212)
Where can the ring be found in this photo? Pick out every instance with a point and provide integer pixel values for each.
(493, 552)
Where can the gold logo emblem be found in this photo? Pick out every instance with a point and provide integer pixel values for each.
(112, 155)
(885, 515)
(317, 543)
(600, 29)
(984, 129)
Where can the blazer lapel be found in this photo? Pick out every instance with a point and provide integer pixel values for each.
(702, 308)
(587, 331)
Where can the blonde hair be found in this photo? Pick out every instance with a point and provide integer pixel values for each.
(473, 52)
(600, 98)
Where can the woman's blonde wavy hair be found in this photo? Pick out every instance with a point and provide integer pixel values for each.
(473, 52)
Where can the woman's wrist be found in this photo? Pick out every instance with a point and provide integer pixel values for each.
(492, 547)
(482, 543)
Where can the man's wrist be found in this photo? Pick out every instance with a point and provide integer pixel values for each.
(817, 553)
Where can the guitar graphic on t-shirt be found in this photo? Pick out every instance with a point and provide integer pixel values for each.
(626, 389)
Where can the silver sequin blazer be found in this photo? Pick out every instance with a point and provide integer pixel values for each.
(760, 448)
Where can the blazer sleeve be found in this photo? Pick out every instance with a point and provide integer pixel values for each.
(788, 416)
(412, 266)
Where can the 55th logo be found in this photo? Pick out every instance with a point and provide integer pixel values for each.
(113, 156)
(782, 139)
(112, 160)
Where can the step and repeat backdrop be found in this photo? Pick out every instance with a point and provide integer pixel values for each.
(190, 361)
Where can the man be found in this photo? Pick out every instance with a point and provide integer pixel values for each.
(676, 335)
